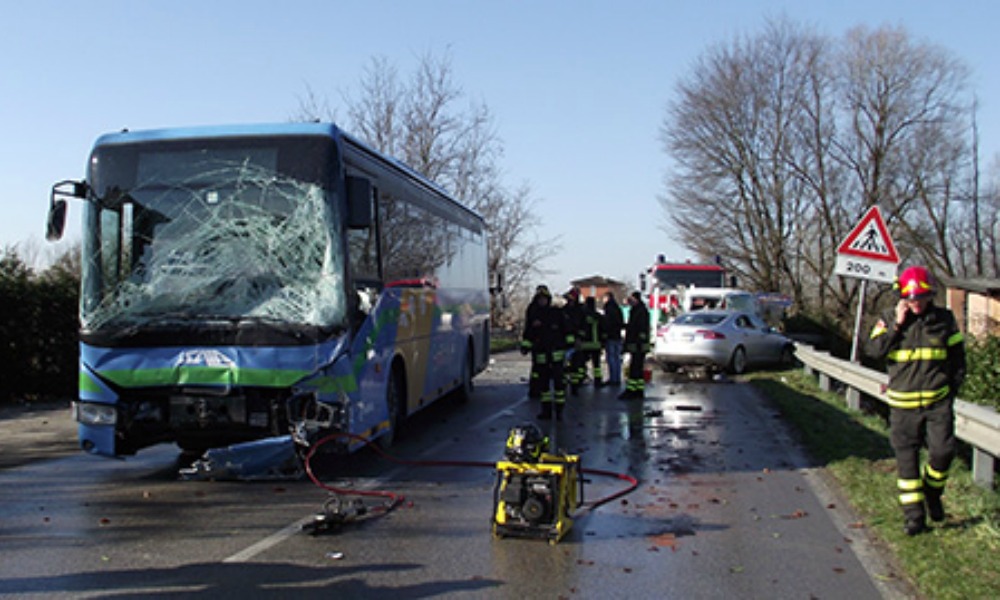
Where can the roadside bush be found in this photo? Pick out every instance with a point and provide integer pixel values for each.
(39, 352)
(819, 330)
(982, 378)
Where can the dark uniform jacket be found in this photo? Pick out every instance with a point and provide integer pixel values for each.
(925, 357)
(613, 322)
(547, 331)
(593, 329)
(574, 312)
(637, 329)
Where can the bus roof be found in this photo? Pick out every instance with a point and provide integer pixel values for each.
(177, 133)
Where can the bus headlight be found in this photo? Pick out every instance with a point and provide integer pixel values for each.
(92, 413)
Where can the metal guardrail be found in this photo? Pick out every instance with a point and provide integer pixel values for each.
(979, 426)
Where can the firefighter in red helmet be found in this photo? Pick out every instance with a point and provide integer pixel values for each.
(925, 358)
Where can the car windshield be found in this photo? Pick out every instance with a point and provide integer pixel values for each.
(699, 319)
(237, 230)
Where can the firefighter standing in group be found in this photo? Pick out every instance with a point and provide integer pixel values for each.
(636, 345)
(541, 298)
(592, 341)
(924, 352)
(613, 325)
(576, 371)
(547, 336)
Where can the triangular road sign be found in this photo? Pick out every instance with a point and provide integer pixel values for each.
(870, 239)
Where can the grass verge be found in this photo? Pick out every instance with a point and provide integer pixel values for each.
(957, 558)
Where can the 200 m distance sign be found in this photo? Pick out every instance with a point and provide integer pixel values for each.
(865, 268)
(868, 252)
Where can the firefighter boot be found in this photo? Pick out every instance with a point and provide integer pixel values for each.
(559, 409)
(915, 524)
(546, 413)
(935, 508)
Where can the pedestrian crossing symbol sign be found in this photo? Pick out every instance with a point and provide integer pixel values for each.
(868, 252)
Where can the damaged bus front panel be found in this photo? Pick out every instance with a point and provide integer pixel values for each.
(213, 281)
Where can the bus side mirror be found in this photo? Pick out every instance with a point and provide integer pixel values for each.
(57, 206)
(57, 220)
(359, 202)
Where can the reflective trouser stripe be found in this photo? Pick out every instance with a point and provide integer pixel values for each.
(635, 385)
(910, 491)
(559, 397)
(934, 478)
(917, 399)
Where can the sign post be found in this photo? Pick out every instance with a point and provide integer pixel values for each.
(867, 253)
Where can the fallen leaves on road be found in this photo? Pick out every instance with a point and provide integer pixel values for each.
(796, 515)
(663, 540)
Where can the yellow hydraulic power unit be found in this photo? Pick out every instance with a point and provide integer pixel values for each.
(536, 492)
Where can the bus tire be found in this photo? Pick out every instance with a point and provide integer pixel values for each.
(395, 401)
(466, 386)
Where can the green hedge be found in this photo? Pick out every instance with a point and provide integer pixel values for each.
(39, 351)
(982, 379)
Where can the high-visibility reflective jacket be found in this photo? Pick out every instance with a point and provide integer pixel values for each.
(925, 356)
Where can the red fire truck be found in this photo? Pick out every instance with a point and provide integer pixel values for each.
(664, 281)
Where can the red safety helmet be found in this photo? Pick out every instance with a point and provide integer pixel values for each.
(915, 282)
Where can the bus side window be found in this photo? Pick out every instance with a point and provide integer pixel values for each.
(363, 249)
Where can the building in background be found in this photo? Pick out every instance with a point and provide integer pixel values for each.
(976, 304)
(596, 285)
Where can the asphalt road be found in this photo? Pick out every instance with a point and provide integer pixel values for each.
(726, 507)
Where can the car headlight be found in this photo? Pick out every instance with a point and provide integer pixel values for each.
(91, 413)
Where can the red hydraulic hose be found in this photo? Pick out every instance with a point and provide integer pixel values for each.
(396, 499)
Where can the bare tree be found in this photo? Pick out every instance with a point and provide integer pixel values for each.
(738, 134)
(782, 140)
(421, 122)
(905, 144)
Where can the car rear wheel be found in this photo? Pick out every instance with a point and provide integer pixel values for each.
(738, 361)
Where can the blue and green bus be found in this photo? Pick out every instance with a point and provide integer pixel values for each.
(238, 282)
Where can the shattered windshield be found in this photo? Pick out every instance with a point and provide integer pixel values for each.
(213, 231)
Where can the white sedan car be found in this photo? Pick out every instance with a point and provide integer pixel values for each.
(721, 340)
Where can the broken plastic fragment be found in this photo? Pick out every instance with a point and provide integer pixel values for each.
(268, 459)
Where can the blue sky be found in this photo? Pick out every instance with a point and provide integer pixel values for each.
(578, 89)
